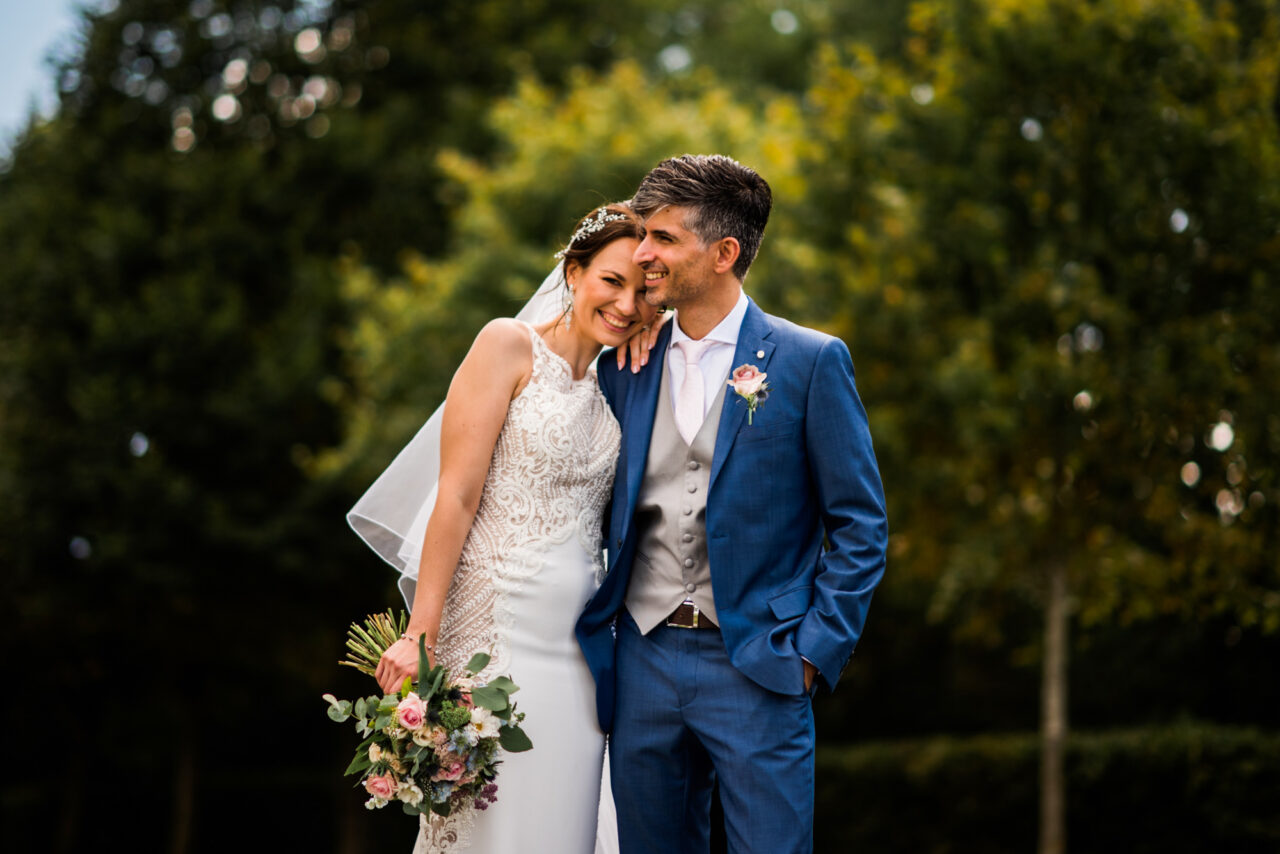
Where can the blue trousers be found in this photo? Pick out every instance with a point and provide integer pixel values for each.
(687, 718)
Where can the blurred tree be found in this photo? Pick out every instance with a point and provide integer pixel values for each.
(165, 323)
(1055, 223)
(559, 154)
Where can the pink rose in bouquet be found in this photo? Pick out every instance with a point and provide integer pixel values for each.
(411, 713)
(381, 786)
(451, 771)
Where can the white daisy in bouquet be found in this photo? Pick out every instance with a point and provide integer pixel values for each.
(435, 745)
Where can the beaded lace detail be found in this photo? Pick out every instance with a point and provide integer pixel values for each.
(548, 482)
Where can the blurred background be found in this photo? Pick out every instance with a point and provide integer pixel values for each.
(246, 242)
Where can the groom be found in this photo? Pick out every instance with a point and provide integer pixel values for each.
(723, 606)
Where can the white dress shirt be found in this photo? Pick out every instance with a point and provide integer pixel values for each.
(716, 362)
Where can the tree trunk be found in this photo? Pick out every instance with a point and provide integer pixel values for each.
(184, 797)
(1053, 720)
(353, 828)
(67, 838)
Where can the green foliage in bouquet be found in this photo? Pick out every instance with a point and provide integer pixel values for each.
(433, 745)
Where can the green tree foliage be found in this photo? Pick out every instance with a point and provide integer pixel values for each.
(1079, 202)
(1055, 223)
(165, 323)
(593, 143)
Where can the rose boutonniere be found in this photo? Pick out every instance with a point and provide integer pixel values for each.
(748, 383)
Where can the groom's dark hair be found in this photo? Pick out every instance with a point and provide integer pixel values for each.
(726, 198)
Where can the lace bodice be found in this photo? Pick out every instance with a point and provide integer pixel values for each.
(549, 480)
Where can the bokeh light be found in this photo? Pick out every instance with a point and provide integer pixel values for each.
(784, 21)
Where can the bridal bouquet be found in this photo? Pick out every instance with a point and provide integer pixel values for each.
(434, 745)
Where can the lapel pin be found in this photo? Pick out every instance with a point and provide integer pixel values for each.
(759, 354)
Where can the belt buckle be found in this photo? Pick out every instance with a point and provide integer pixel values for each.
(693, 624)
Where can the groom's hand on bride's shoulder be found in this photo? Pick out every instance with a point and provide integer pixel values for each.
(639, 345)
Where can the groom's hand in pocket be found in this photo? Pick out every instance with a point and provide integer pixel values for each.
(809, 672)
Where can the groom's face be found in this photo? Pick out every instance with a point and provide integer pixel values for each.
(677, 266)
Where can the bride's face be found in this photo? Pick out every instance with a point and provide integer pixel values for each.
(608, 295)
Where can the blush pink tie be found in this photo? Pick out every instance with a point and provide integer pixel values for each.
(691, 399)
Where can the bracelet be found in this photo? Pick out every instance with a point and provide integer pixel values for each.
(409, 637)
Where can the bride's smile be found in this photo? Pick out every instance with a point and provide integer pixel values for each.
(608, 295)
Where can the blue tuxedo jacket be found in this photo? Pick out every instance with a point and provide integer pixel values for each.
(803, 468)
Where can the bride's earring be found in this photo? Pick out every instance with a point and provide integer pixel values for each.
(568, 309)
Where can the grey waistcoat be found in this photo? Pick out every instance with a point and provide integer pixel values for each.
(671, 518)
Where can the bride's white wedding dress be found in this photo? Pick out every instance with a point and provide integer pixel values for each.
(529, 564)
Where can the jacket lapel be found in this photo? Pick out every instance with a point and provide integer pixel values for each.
(638, 416)
(752, 340)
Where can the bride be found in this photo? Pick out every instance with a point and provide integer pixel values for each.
(506, 548)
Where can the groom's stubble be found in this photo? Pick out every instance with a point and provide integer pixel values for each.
(691, 284)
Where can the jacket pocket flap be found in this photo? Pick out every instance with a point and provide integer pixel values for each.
(791, 604)
(761, 432)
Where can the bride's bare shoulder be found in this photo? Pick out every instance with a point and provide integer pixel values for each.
(502, 354)
(504, 337)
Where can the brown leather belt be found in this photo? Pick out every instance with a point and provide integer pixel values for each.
(687, 616)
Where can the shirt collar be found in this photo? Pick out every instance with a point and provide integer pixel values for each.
(726, 331)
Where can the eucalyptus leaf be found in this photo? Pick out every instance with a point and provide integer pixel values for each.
(478, 662)
(382, 721)
(440, 809)
(358, 764)
(424, 663)
(502, 683)
(340, 707)
(437, 681)
(514, 739)
(489, 698)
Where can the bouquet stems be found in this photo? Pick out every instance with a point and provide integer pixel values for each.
(367, 643)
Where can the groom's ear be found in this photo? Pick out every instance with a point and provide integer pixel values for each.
(727, 251)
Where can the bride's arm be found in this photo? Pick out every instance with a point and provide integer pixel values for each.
(494, 371)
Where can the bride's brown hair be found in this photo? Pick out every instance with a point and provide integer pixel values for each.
(598, 229)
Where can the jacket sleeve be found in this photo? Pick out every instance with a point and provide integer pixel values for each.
(851, 499)
(606, 375)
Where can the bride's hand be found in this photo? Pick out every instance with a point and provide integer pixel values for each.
(642, 342)
(399, 660)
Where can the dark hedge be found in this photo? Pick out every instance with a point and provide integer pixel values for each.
(1186, 788)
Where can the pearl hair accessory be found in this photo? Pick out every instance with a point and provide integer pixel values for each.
(591, 225)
